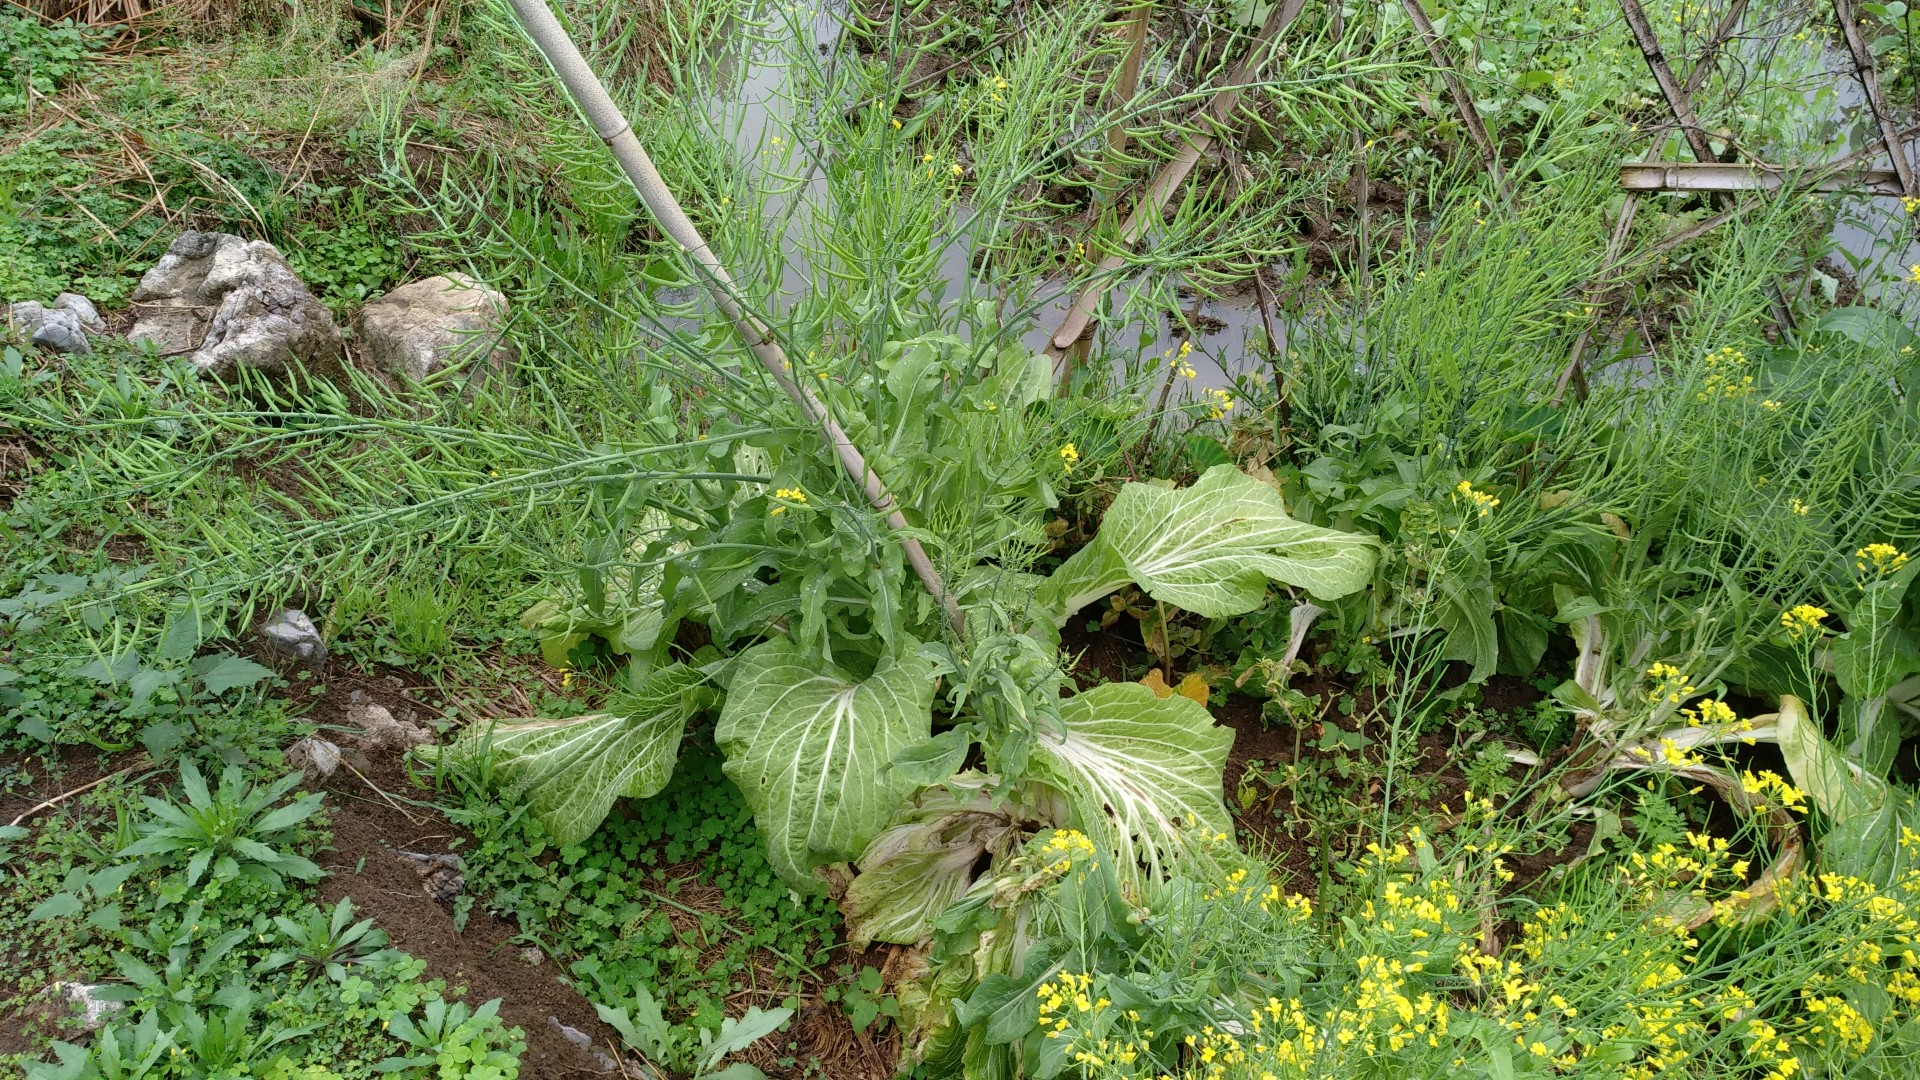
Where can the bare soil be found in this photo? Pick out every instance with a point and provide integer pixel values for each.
(376, 815)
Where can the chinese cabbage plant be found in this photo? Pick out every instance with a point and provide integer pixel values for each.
(827, 657)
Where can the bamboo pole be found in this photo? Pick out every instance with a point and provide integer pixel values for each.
(1129, 80)
(1462, 101)
(1868, 74)
(1677, 100)
(586, 90)
(1160, 189)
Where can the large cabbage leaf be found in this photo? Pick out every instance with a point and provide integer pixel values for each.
(809, 747)
(570, 771)
(1141, 774)
(1208, 548)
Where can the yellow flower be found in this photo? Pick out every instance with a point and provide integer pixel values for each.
(1880, 559)
(1219, 403)
(958, 169)
(1069, 457)
(1802, 619)
(793, 496)
(1799, 507)
(1484, 501)
(1910, 204)
(1913, 273)
(1725, 375)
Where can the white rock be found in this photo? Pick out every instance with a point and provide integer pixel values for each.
(314, 756)
(229, 303)
(95, 1012)
(421, 327)
(383, 732)
(55, 327)
(82, 307)
(292, 635)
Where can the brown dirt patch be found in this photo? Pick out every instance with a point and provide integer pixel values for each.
(368, 830)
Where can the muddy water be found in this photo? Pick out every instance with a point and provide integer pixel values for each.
(1874, 235)
(756, 105)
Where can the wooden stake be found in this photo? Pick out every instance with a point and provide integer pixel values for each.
(1868, 74)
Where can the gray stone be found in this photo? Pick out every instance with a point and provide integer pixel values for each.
(421, 327)
(81, 306)
(585, 1042)
(292, 635)
(532, 956)
(382, 733)
(443, 876)
(314, 756)
(56, 328)
(228, 302)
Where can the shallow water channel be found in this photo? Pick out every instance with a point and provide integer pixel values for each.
(757, 96)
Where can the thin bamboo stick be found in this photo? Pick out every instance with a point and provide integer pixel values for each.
(1160, 189)
(1863, 66)
(1462, 101)
(610, 124)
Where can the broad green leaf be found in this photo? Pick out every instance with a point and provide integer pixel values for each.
(1465, 609)
(1867, 846)
(1873, 654)
(111, 670)
(1866, 326)
(182, 637)
(927, 763)
(570, 771)
(1821, 770)
(1141, 774)
(56, 906)
(230, 673)
(648, 1031)
(1869, 660)
(1208, 548)
(737, 1035)
(809, 747)
(922, 863)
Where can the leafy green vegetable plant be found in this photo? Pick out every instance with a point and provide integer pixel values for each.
(455, 1042)
(327, 941)
(234, 831)
(647, 1032)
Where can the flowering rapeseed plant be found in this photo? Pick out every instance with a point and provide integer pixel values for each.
(790, 497)
(1727, 376)
(1801, 620)
(1484, 501)
(1879, 560)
